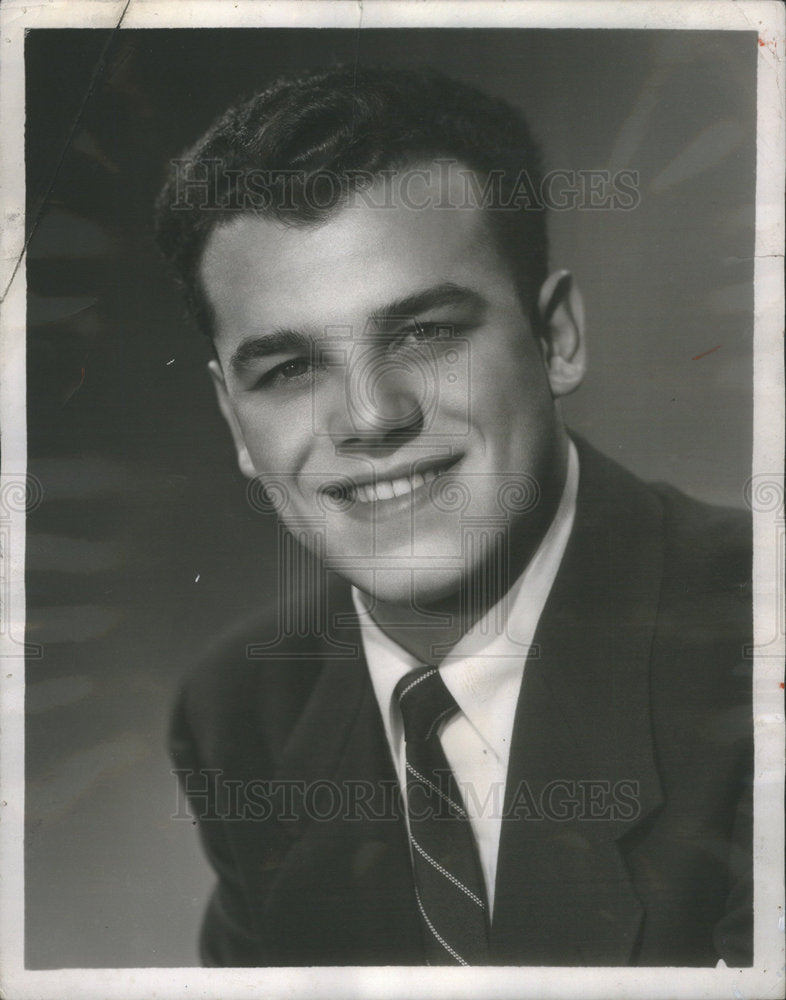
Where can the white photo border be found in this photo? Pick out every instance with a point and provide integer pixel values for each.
(766, 978)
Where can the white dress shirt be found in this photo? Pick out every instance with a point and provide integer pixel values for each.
(483, 672)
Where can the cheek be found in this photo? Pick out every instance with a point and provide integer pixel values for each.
(508, 380)
(276, 439)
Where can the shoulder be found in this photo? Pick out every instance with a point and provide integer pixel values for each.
(704, 542)
(701, 668)
(705, 545)
(250, 683)
(695, 556)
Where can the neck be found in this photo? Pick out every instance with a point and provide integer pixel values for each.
(429, 629)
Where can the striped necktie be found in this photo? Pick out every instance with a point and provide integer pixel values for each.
(449, 886)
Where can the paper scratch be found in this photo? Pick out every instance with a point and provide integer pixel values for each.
(100, 66)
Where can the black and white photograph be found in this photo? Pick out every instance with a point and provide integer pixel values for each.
(392, 499)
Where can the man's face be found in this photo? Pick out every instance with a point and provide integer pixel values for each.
(379, 373)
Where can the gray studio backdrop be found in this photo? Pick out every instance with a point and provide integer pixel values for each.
(142, 546)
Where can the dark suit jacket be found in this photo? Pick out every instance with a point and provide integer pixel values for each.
(628, 830)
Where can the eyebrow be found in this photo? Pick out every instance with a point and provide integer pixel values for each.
(278, 342)
(446, 294)
(291, 341)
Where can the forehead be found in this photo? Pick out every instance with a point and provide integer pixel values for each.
(260, 273)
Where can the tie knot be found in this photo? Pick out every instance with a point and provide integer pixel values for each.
(425, 702)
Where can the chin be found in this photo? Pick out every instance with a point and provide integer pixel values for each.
(409, 588)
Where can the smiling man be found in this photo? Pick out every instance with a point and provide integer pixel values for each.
(514, 725)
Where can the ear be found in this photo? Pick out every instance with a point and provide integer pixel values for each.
(561, 311)
(228, 413)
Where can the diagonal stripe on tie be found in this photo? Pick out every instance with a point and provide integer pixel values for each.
(449, 887)
(451, 878)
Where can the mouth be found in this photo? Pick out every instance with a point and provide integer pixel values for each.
(396, 484)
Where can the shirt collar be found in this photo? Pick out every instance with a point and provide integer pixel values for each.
(484, 669)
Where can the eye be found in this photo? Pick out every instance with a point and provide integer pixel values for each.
(287, 371)
(293, 368)
(416, 332)
(425, 330)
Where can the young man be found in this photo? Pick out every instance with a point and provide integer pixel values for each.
(512, 724)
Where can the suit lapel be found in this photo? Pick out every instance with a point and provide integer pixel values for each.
(582, 771)
(345, 887)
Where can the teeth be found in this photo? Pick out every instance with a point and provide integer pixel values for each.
(389, 488)
(400, 487)
(384, 491)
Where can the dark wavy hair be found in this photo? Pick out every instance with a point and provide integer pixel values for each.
(351, 124)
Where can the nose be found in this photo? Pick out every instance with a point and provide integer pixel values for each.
(384, 403)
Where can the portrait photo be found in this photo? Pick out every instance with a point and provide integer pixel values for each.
(392, 499)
